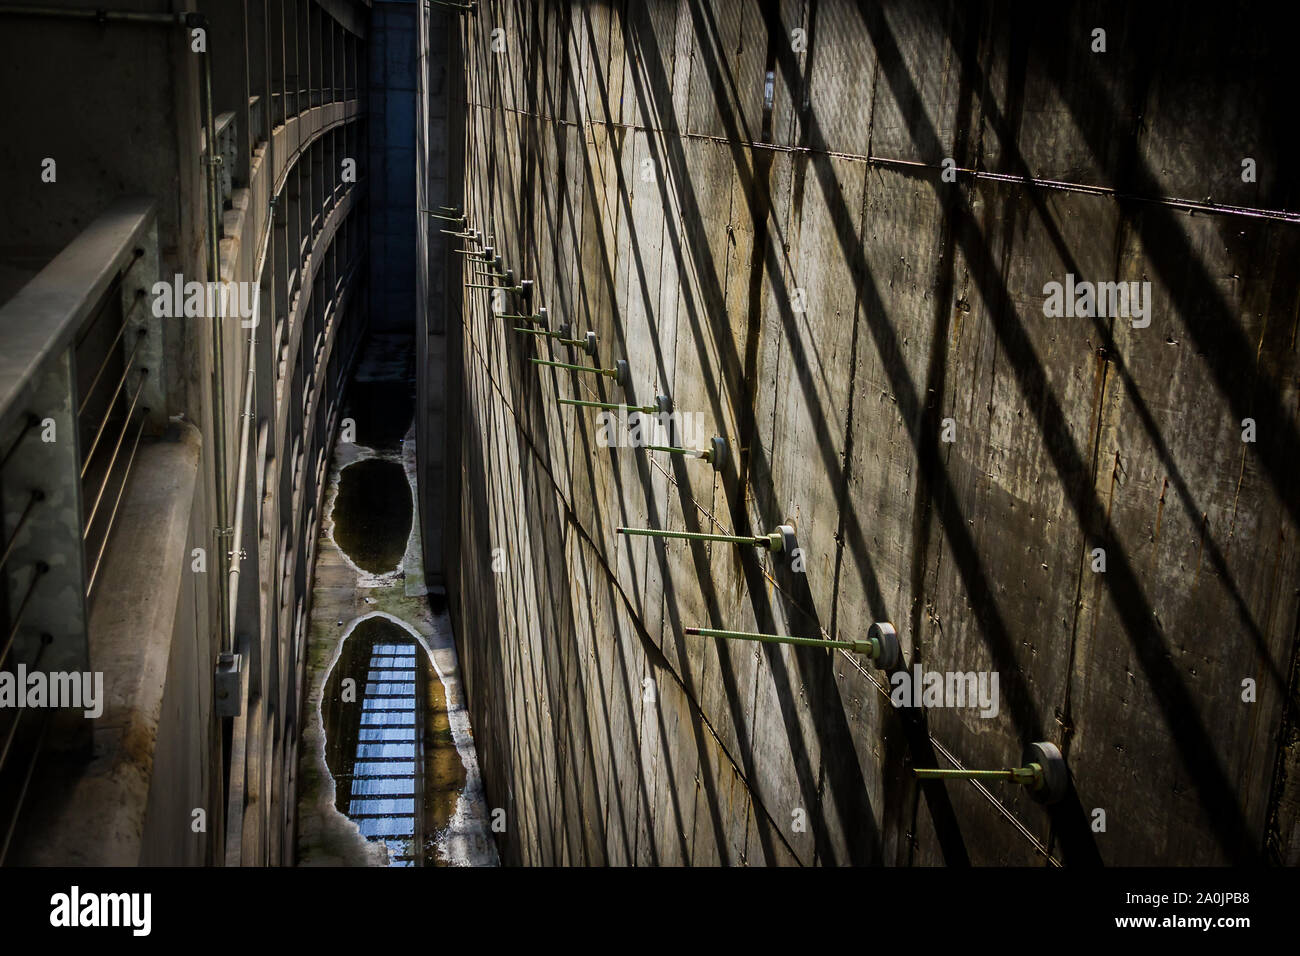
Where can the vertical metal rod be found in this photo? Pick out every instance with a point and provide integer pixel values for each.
(37, 495)
(108, 411)
(112, 517)
(27, 780)
(13, 728)
(218, 353)
(108, 472)
(38, 569)
(104, 364)
(32, 422)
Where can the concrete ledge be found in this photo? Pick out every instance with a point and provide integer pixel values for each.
(94, 813)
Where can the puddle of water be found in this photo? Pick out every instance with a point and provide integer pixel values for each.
(388, 742)
(372, 514)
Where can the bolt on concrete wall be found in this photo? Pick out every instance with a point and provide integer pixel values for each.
(811, 225)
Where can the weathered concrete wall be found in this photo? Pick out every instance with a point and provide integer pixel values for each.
(435, 187)
(792, 266)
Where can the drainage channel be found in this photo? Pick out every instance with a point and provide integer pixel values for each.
(388, 772)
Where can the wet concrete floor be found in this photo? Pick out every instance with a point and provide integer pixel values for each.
(387, 773)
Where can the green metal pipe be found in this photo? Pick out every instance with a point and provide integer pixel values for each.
(693, 452)
(862, 647)
(760, 542)
(607, 372)
(610, 406)
(1030, 776)
(782, 539)
(936, 774)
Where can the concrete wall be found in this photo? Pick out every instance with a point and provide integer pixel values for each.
(436, 186)
(792, 266)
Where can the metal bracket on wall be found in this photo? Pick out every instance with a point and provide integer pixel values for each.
(457, 218)
(715, 454)
(227, 687)
(1043, 772)
(538, 316)
(619, 373)
(587, 343)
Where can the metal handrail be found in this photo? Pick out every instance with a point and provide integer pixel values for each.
(41, 320)
(50, 326)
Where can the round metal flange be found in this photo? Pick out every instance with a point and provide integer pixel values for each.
(542, 316)
(487, 253)
(665, 404)
(1056, 778)
(510, 276)
(622, 376)
(789, 544)
(891, 654)
(718, 452)
(590, 344)
(564, 330)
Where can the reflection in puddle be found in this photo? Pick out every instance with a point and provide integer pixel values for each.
(372, 514)
(388, 742)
